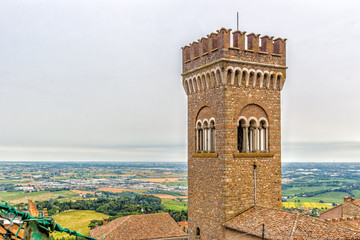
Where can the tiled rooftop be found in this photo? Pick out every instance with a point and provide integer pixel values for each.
(138, 227)
(280, 224)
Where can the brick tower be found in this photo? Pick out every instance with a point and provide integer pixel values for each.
(234, 126)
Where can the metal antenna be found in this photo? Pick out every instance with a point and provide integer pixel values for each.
(237, 21)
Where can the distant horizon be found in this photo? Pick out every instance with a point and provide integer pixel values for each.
(291, 152)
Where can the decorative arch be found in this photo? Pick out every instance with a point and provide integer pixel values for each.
(272, 81)
(191, 86)
(186, 87)
(237, 77)
(259, 78)
(208, 80)
(279, 81)
(251, 77)
(213, 79)
(233, 76)
(244, 79)
(266, 79)
(219, 76)
(198, 83)
(203, 82)
(229, 75)
(205, 127)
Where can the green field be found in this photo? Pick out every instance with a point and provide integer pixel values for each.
(77, 220)
(180, 183)
(329, 197)
(175, 205)
(13, 182)
(356, 193)
(23, 197)
(296, 190)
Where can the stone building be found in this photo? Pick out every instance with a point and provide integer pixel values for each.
(350, 208)
(234, 126)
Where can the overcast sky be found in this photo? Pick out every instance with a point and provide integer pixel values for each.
(100, 80)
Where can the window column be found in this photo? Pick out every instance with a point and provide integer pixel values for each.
(245, 146)
(257, 139)
(201, 138)
(212, 136)
(206, 139)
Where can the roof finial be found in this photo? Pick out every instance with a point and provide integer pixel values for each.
(237, 21)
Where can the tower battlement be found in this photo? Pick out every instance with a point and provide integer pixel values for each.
(250, 48)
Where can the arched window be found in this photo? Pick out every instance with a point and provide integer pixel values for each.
(205, 139)
(253, 135)
(212, 135)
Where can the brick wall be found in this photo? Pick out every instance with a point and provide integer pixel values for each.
(350, 210)
(335, 212)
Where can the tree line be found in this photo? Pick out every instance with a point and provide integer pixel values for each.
(120, 206)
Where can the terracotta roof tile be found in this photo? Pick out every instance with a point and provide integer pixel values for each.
(14, 228)
(138, 227)
(357, 202)
(280, 224)
(353, 225)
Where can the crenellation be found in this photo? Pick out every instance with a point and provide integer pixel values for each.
(259, 49)
(186, 54)
(239, 40)
(204, 46)
(194, 50)
(213, 41)
(224, 38)
(266, 44)
(253, 42)
(280, 46)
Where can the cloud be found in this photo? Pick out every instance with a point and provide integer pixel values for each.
(321, 152)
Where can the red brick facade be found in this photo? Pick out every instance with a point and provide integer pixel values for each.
(224, 83)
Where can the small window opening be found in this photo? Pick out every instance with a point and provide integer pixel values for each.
(198, 232)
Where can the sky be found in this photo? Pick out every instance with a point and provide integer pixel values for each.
(100, 80)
